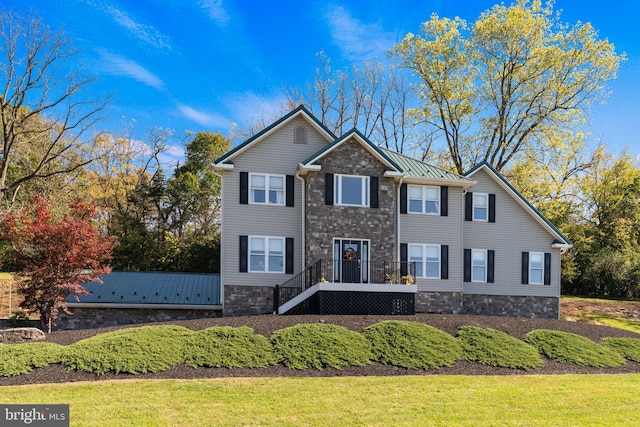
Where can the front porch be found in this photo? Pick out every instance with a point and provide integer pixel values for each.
(349, 287)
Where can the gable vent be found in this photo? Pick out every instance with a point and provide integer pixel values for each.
(300, 135)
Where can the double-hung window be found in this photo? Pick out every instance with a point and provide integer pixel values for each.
(478, 265)
(480, 207)
(266, 189)
(266, 254)
(424, 199)
(351, 190)
(536, 268)
(426, 259)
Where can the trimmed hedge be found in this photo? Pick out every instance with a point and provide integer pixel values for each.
(629, 348)
(575, 349)
(319, 345)
(17, 359)
(496, 348)
(132, 350)
(227, 347)
(412, 345)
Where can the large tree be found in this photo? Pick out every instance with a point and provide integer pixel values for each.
(43, 115)
(55, 255)
(516, 77)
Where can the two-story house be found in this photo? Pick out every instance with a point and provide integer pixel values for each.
(312, 222)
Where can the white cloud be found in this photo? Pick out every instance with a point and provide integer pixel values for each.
(147, 34)
(210, 120)
(216, 11)
(251, 109)
(357, 40)
(119, 65)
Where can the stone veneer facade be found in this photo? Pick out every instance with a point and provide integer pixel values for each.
(439, 302)
(514, 306)
(247, 300)
(88, 318)
(326, 222)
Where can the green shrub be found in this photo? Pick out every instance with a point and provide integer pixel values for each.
(16, 359)
(224, 346)
(412, 345)
(319, 345)
(133, 350)
(19, 320)
(495, 348)
(575, 349)
(629, 348)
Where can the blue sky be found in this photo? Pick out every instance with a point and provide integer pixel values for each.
(205, 64)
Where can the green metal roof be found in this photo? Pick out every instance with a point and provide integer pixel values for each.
(416, 168)
(121, 287)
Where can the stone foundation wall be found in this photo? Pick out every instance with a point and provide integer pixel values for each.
(514, 306)
(439, 302)
(87, 318)
(247, 300)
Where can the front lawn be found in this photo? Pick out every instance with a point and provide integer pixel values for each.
(577, 400)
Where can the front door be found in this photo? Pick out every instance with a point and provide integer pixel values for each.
(351, 260)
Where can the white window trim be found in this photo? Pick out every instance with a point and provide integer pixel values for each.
(337, 197)
(486, 266)
(267, 177)
(531, 282)
(423, 199)
(473, 207)
(424, 259)
(266, 254)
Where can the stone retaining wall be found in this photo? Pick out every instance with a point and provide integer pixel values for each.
(87, 318)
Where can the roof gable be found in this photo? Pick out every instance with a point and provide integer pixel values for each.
(300, 111)
(561, 240)
(354, 134)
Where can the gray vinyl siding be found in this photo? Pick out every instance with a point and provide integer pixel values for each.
(515, 231)
(438, 230)
(275, 154)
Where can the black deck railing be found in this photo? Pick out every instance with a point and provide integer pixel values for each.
(343, 271)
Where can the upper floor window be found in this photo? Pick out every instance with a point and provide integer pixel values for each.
(351, 190)
(480, 206)
(266, 189)
(424, 199)
(266, 254)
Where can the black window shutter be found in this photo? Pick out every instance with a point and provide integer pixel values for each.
(444, 262)
(328, 189)
(244, 188)
(404, 257)
(288, 263)
(373, 190)
(525, 268)
(403, 199)
(290, 190)
(492, 208)
(244, 253)
(467, 265)
(468, 206)
(444, 201)
(490, 264)
(547, 268)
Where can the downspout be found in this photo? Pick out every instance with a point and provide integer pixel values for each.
(304, 211)
(221, 240)
(398, 221)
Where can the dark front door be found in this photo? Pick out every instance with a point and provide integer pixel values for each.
(351, 261)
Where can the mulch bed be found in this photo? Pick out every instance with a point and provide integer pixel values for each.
(265, 325)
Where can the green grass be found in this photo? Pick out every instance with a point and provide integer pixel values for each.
(575, 349)
(629, 348)
(131, 350)
(495, 348)
(412, 345)
(17, 359)
(614, 322)
(227, 347)
(6, 276)
(320, 345)
(528, 400)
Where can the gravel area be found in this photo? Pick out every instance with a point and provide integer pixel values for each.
(267, 324)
